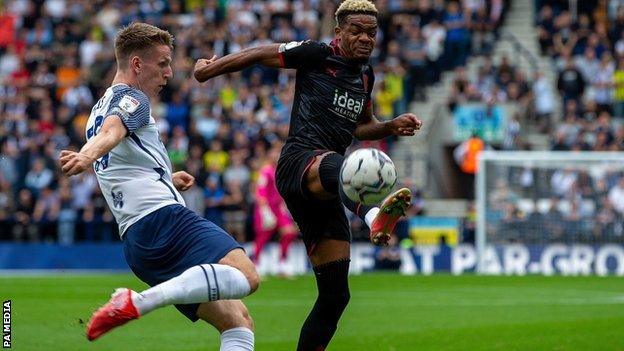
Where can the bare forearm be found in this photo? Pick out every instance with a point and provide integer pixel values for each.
(264, 55)
(100, 145)
(373, 130)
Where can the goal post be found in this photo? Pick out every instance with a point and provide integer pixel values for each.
(547, 198)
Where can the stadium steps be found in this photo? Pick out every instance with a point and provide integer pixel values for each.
(412, 156)
(519, 23)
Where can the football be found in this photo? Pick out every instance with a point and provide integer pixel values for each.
(367, 176)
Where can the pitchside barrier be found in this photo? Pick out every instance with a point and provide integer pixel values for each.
(511, 259)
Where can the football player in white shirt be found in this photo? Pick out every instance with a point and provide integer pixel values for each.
(188, 261)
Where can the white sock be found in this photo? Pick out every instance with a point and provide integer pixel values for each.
(207, 282)
(370, 216)
(237, 339)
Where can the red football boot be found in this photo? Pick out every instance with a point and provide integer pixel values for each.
(391, 209)
(117, 311)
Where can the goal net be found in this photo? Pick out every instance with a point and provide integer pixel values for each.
(545, 198)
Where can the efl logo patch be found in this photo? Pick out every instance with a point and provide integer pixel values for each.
(129, 104)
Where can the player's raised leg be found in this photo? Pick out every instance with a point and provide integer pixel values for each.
(323, 179)
(231, 317)
(386, 217)
(201, 283)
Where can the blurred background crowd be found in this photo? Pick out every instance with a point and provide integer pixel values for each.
(56, 59)
(585, 44)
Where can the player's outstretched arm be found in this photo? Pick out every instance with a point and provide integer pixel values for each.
(111, 134)
(369, 128)
(266, 55)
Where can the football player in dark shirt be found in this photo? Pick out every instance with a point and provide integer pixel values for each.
(332, 105)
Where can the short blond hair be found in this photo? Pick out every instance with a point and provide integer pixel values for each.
(139, 37)
(351, 7)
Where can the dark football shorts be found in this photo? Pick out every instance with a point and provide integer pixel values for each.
(316, 219)
(169, 241)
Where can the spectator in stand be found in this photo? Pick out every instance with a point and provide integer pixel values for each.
(67, 216)
(546, 30)
(393, 79)
(588, 64)
(564, 38)
(99, 222)
(457, 36)
(618, 83)
(435, 35)
(237, 173)
(213, 199)
(45, 214)
(7, 202)
(234, 210)
(602, 83)
(616, 197)
(415, 54)
(544, 102)
(570, 83)
(216, 158)
(562, 181)
(482, 31)
(384, 101)
(39, 176)
(23, 225)
(178, 147)
(606, 219)
(177, 112)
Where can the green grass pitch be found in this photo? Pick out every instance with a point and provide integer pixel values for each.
(387, 313)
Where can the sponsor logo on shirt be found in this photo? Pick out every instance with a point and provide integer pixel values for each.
(346, 106)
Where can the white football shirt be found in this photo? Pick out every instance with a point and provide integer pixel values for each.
(135, 176)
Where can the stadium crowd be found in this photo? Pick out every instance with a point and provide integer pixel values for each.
(542, 205)
(586, 47)
(56, 59)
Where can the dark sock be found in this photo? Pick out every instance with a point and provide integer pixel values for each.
(358, 208)
(329, 172)
(333, 297)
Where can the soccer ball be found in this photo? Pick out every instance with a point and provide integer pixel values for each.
(367, 176)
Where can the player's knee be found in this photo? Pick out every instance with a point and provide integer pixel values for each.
(237, 316)
(251, 274)
(254, 280)
(335, 303)
(239, 260)
(322, 177)
(332, 280)
(329, 172)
